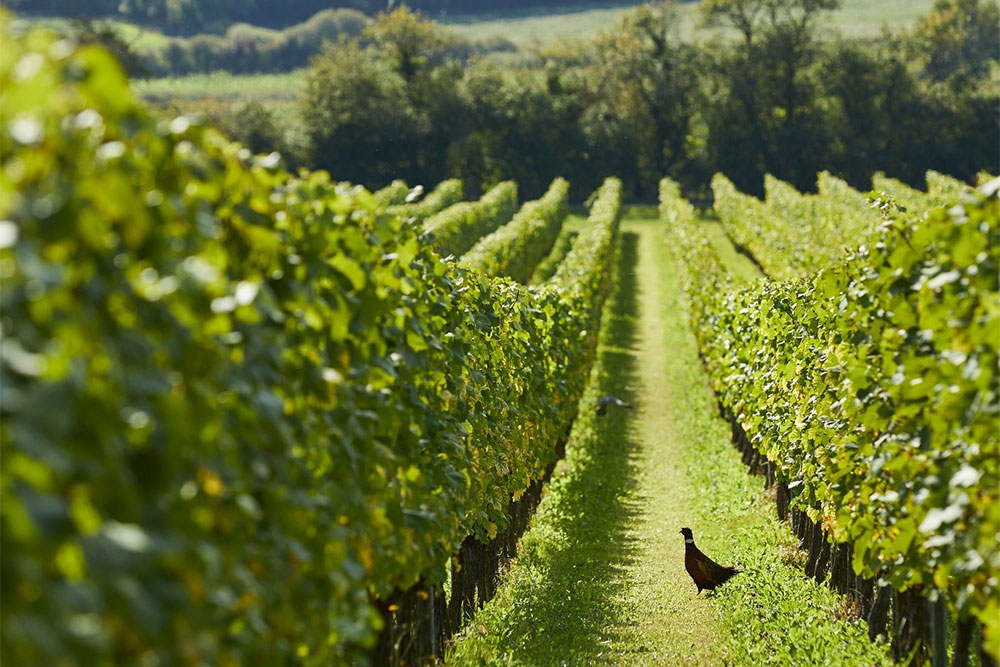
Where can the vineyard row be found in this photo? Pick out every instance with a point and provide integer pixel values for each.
(869, 392)
(246, 413)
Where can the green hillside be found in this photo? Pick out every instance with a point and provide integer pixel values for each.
(856, 18)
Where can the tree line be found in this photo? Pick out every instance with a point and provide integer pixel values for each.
(189, 17)
(400, 96)
(250, 49)
(640, 103)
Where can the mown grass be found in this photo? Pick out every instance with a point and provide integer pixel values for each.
(665, 623)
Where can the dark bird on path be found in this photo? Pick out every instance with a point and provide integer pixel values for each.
(602, 405)
(707, 574)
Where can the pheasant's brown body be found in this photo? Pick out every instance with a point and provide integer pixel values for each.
(706, 573)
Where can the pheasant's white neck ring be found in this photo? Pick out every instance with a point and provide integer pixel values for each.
(688, 541)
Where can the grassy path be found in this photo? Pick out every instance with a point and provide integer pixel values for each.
(600, 578)
(662, 621)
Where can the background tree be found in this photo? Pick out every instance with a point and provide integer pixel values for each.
(868, 90)
(423, 54)
(523, 125)
(88, 31)
(411, 42)
(407, 100)
(359, 119)
(254, 126)
(650, 80)
(750, 17)
(763, 115)
(387, 107)
(958, 40)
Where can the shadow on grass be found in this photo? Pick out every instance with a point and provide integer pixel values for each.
(561, 608)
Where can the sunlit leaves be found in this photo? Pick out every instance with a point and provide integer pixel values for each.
(238, 404)
(888, 427)
(457, 228)
(515, 249)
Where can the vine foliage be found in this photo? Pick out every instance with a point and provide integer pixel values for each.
(240, 406)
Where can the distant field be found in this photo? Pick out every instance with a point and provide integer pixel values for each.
(865, 18)
(857, 18)
(222, 86)
(862, 18)
(524, 28)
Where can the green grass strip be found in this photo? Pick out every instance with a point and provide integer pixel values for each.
(547, 267)
(740, 266)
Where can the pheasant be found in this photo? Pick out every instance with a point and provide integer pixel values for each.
(707, 574)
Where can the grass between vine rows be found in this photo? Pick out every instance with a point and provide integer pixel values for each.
(600, 577)
(739, 265)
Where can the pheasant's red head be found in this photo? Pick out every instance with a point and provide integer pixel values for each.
(686, 532)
